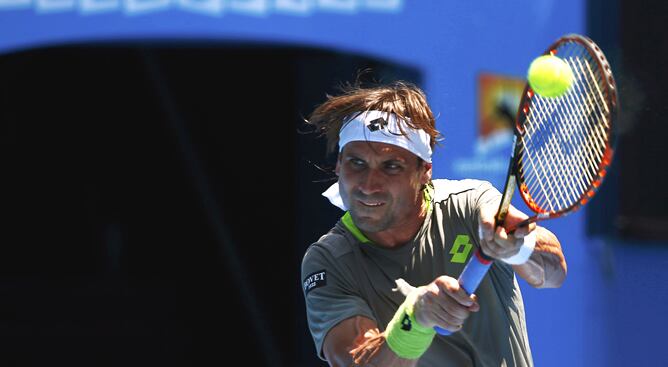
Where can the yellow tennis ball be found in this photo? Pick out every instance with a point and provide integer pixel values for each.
(550, 76)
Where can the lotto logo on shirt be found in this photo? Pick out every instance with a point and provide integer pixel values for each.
(315, 280)
(460, 249)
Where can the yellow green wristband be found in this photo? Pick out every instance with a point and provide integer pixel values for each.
(405, 336)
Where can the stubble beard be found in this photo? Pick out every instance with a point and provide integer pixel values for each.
(372, 223)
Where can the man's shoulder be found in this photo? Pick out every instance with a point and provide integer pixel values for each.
(444, 188)
(334, 243)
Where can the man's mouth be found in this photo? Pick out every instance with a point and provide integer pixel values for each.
(371, 203)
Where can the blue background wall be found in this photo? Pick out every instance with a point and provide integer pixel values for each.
(611, 309)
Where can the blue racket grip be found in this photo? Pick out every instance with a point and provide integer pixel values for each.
(471, 277)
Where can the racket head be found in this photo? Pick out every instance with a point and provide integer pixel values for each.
(564, 145)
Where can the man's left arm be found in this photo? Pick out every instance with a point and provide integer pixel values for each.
(546, 268)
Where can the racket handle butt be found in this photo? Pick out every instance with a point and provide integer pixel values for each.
(442, 331)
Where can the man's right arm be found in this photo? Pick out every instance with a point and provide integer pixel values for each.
(357, 341)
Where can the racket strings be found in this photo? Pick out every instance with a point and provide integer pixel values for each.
(556, 168)
(593, 142)
(566, 137)
(585, 150)
(550, 159)
(572, 183)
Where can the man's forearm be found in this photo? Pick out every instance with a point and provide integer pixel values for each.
(546, 268)
(375, 352)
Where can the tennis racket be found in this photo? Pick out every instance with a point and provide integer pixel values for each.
(563, 145)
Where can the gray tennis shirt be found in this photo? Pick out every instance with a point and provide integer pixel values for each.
(344, 277)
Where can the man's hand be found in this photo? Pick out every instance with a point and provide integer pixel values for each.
(443, 303)
(496, 242)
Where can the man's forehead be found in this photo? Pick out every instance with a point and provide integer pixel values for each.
(372, 148)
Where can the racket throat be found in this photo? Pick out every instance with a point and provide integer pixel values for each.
(508, 191)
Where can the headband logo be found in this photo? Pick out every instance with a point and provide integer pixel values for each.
(377, 124)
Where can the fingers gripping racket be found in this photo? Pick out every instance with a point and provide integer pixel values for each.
(562, 145)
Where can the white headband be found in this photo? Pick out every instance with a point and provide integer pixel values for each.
(374, 126)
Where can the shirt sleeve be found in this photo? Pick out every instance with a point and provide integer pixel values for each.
(485, 193)
(330, 292)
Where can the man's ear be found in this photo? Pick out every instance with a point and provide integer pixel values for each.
(426, 176)
(337, 168)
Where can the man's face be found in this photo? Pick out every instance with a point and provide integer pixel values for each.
(381, 184)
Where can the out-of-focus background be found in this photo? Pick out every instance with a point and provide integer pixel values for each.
(158, 191)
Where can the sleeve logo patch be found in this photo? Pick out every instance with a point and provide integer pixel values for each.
(315, 280)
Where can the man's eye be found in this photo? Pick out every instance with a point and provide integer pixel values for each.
(357, 162)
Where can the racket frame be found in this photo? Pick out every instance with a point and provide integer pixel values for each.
(609, 92)
(478, 265)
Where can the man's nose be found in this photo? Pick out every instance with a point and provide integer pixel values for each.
(371, 182)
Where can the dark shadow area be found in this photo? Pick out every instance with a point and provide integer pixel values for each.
(158, 200)
(632, 202)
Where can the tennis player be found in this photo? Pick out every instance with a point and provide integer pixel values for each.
(385, 275)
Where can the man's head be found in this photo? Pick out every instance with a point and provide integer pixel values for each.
(385, 136)
(381, 185)
(404, 100)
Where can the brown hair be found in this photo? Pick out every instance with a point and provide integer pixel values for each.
(403, 99)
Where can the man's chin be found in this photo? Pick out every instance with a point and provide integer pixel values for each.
(367, 223)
